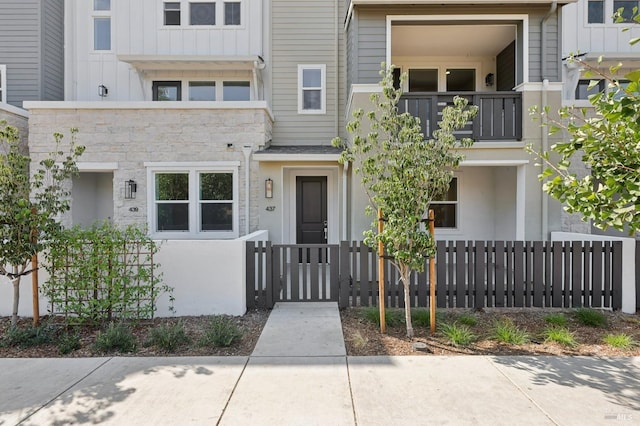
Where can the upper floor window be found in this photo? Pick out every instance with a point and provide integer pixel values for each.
(101, 24)
(199, 90)
(311, 89)
(232, 13)
(601, 11)
(584, 89)
(202, 13)
(595, 13)
(172, 13)
(194, 201)
(3, 84)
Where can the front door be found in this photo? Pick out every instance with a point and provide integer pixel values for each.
(311, 210)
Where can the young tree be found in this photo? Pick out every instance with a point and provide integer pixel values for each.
(30, 205)
(402, 173)
(607, 141)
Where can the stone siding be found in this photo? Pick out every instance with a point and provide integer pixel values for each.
(131, 137)
(19, 121)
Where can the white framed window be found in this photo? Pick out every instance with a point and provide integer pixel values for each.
(101, 25)
(209, 90)
(3, 84)
(312, 89)
(194, 201)
(601, 11)
(446, 208)
(202, 13)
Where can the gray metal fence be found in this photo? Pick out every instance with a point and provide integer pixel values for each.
(472, 274)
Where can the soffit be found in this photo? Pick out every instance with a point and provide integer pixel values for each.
(192, 62)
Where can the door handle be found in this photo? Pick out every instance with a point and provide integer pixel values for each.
(325, 230)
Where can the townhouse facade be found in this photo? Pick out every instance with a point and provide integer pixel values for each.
(213, 119)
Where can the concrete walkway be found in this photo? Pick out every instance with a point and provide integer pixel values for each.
(299, 375)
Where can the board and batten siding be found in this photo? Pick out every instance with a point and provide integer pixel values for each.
(137, 29)
(366, 37)
(305, 33)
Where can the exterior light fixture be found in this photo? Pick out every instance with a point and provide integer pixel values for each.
(103, 91)
(130, 189)
(268, 188)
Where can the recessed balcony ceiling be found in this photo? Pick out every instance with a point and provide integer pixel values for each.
(450, 40)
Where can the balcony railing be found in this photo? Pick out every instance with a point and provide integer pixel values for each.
(499, 117)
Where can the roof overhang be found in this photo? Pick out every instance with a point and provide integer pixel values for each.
(193, 62)
(298, 153)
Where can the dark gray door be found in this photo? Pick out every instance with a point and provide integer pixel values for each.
(311, 210)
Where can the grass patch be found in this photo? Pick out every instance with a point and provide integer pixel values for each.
(558, 320)
(68, 342)
(620, 341)
(116, 337)
(168, 337)
(590, 317)
(359, 341)
(392, 317)
(467, 319)
(221, 332)
(506, 331)
(29, 336)
(560, 335)
(457, 334)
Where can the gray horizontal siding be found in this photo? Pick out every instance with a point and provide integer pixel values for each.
(20, 48)
(304, 33)
(53, 50)
(366, 37)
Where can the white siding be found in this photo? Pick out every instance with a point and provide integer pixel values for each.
(137, 29)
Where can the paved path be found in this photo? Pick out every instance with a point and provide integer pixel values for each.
(299, 375)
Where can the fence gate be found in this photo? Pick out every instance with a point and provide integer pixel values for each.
(291, 273)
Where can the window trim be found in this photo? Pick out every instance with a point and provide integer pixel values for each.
(176, 83)
(215, 16)
(3, 84)
(101, 14)
(185, 15)
(608, 11)
(219, 84)
(224, 11)
(323, 88)
(193, 169)
(164, 11)
(456, 203)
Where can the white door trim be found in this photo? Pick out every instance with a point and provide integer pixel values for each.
(289, 175)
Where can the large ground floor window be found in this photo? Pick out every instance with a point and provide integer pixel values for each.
(445, 209)
(194, 202)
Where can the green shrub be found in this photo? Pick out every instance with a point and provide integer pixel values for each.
(421, 317)
(221, 332)
(506, 331)
(590, 317)
(29, 336)
(560, 335)
(559, 320)
(393, 317)
(116, 337)
(620, 341)
(103, 273)
(168, 337)
(68, 342)
(458, 335)
(467, 319)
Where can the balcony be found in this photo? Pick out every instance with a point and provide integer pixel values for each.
(499, 117)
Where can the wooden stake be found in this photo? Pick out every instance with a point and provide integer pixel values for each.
(432, 277)
(381, 292)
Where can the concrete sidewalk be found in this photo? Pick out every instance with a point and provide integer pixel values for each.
(299, 375)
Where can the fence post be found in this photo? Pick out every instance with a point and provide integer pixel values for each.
(343, 301)
(251, 274)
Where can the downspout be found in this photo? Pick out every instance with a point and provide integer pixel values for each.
(246, 150)
(544, 131)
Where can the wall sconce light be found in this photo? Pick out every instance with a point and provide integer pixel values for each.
(103, 91)
(268, 188)
(488, 80)
(130, 189)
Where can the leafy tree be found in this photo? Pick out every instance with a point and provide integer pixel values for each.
(30, 205)
(402, 173)
(607, 141)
